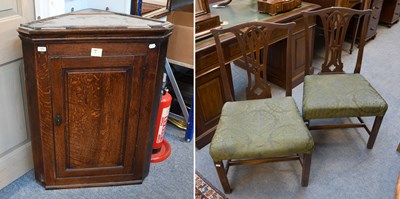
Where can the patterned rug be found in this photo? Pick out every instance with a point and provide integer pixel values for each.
(205, 190)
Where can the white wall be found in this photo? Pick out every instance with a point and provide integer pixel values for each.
(122, 6)
(76, 4)
(48, 8)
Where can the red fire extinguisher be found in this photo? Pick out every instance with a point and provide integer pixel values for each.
(161, 147)
(162, 119)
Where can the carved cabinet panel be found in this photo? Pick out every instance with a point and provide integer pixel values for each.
(92, 99)
(209, 102)
(93, 95)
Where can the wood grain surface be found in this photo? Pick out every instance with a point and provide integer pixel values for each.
(92, 117)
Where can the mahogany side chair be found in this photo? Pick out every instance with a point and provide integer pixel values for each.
(259, 129)
(333, 93)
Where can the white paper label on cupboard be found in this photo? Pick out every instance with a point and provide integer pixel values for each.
(96, 52)
(41, 49)
(152, 46)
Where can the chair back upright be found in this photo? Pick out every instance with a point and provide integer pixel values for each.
(253, 39)
(335, 22)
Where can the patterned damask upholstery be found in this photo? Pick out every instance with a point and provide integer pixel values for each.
(339, 96)
(260, 129)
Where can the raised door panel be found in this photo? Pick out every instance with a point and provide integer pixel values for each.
(209, 102)
(206, 91)
(12, 114)
(12, 14)
(277, 61)
(95, 111)
(299, 42)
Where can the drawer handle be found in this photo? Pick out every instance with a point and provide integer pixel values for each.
(373, 17)
(58, 120)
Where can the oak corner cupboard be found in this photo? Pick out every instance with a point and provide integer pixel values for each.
(93, 82)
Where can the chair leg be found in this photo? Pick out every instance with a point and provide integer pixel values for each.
(306, 169)
(374, 131)
(222, 176)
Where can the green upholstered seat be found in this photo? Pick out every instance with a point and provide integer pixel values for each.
(260, 129)
(339, 96)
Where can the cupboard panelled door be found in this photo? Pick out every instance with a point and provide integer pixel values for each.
(209, 102)
(96, 104)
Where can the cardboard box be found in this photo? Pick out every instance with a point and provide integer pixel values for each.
(181, 42)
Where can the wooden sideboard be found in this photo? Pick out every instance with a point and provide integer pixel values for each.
(390, 12)
(209, 92)
(93, 82)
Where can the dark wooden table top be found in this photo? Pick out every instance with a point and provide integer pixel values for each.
(246, 11)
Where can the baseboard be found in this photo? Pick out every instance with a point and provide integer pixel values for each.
(15, 164)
